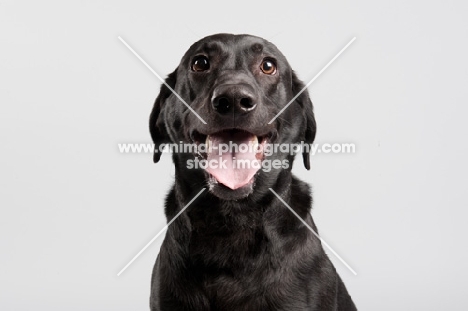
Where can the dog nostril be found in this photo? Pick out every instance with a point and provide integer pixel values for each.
(246, 103)
(222, 105)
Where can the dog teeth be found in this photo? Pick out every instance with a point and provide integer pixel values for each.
(254, 142)
(207, 142)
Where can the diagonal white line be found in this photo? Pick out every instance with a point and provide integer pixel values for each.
(313, 79)
(161, 79)
(312, 230)
(165, 227)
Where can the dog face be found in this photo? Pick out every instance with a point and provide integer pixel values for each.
(237, 84)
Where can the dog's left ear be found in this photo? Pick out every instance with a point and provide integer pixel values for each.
(157, 125)
(308, 114)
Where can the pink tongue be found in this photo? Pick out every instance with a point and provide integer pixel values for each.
(233, 168)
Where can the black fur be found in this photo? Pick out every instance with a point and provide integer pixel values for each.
(239, 249)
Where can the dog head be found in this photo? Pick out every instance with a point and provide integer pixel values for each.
(236, 84)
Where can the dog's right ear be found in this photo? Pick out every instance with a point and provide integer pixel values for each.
(157, 125)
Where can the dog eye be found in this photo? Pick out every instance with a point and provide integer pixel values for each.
(200, 63)
(268, 67)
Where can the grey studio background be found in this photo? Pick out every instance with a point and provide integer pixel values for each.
(74, 210)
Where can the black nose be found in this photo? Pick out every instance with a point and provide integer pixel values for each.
(233, 97)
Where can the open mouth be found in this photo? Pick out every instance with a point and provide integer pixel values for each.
(233, 157)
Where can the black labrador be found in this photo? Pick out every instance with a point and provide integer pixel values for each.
(237, 246)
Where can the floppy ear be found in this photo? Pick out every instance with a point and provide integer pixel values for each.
(157, 125)
(308, 113)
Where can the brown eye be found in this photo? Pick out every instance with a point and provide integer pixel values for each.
(268, 67)
(200, 63)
